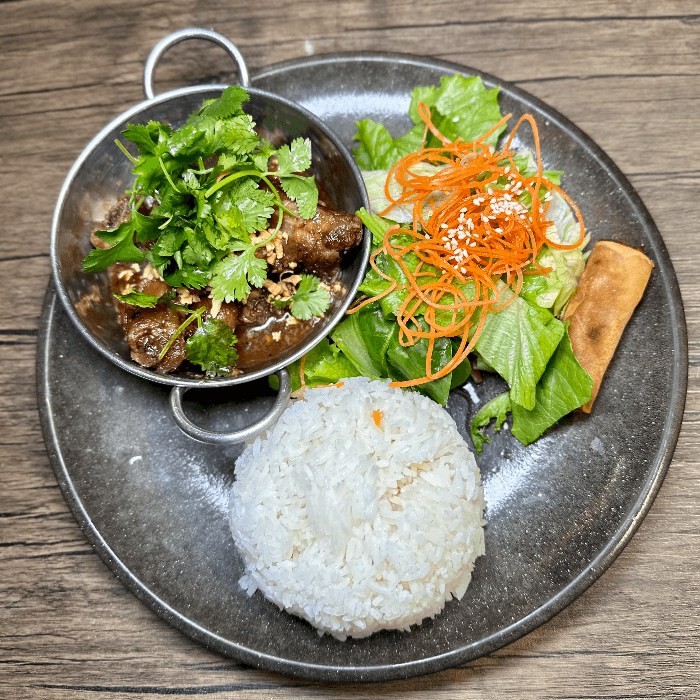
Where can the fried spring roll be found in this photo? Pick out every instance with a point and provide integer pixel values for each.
(610, 288)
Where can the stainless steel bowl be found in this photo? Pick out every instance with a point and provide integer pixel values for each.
(102, 173)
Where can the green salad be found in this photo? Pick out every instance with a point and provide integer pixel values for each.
(523, 339)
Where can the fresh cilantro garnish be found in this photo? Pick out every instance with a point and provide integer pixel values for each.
(121, 240)
(146, 301)
(309, 300)
(235, 274)
(212, 347)
(295, 158)
(205, 213)
(303, 191)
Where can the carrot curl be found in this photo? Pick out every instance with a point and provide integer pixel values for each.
(470, 230)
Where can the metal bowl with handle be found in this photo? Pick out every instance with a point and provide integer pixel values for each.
(102, 173)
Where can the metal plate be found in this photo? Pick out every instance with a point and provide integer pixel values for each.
(153, 502)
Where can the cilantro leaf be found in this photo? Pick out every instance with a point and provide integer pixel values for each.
(304, 191)
(239, 135)
(295, 158)
(235, 274)
(170, 242)
(243, 208)
(146, 301)
(189, 277)
(146, 227)
(212, 347)
(197, 252)
(219, 125)
(228, 161)
(121, 240)
(264, 152)
(310, 299)
(219, 237)
(230, 103)
(204, 215)
(151, 139)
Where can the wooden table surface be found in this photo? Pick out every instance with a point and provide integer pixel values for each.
(627, 72)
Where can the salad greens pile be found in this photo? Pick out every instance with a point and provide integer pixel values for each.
(210, 215)
(526, 343)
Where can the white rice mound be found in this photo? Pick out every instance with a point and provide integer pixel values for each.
(357, 527)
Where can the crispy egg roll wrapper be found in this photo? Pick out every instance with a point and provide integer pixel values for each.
(610, 288)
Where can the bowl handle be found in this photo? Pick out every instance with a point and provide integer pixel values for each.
(216, 438)
(192, 33)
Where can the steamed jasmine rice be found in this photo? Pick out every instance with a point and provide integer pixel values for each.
(361, 510)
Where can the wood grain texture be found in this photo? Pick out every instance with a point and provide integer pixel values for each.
(627, 72)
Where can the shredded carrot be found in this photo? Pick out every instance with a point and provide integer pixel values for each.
(469, 231)
(378, 417)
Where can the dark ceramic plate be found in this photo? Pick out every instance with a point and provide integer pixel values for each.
(153, 502)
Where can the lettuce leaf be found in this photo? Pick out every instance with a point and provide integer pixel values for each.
(410, 361)
(460, 107)
(375, 182)
(370, 341)
(378, 150)
(465, 109)
(564, 386)
(377, 225)
(518, 342)
(348, 337)
(567, 265)
(324, 364)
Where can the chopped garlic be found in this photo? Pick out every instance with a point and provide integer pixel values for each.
(215, 307)
(272, 287)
